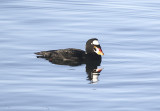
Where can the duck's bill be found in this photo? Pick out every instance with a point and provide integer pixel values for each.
(99, 70)
(98, 51)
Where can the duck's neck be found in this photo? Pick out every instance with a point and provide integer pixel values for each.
(93, 56)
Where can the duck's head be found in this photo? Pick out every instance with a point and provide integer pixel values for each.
(93, 46)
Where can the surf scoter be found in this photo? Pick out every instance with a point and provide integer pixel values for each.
(93, 52)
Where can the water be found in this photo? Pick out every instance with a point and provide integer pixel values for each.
(128, 32)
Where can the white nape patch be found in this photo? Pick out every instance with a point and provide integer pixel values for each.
(95, 42)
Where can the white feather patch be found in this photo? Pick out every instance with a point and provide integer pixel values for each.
(95, 42)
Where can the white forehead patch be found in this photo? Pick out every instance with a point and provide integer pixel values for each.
(95, 42)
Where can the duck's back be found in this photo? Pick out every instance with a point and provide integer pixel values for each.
(70, 54)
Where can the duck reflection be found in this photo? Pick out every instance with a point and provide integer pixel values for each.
(92, 69)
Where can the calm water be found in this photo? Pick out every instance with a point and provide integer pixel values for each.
(128, 31)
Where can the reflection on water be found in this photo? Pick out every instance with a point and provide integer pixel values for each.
(92, 69)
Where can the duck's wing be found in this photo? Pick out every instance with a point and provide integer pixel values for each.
(70, 54)
(64, 54)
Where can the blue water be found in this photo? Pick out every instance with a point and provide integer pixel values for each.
(129, 34)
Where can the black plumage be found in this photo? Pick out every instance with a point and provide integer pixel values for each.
(72, 55)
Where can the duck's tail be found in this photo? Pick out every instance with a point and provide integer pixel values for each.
(44, 53)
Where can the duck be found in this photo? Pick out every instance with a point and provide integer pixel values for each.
(93, 51)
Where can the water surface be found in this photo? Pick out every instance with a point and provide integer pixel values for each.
(128, 32)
